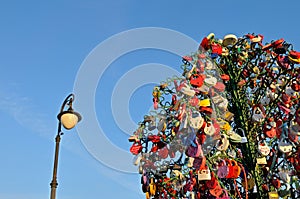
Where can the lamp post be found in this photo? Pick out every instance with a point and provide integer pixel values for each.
(68, 119)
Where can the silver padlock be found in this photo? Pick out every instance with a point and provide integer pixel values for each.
(244, 138)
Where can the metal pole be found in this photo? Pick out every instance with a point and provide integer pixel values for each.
(54, 183)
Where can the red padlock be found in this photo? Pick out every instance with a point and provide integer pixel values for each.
(163, 152)
(236, 169)
(293, 137)
(136, 148)
(213, 183)
(197, 80)
(194, 101)
(219, 86)
(216, 49)
(230, 169)
(270, 128)
(217, 191)
(276, 183)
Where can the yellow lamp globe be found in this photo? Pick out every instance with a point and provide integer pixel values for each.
(69, 119)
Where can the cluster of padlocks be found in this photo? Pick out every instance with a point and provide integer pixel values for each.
(228, 127)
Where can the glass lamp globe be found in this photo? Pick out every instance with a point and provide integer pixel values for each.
(69, 119)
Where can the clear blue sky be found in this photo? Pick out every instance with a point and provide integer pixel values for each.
(42, 47)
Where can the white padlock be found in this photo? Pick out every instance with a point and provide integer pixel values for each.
(244, 138)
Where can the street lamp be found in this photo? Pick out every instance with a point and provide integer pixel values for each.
(68, 119)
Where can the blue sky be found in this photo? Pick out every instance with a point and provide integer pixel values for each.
(43, 45)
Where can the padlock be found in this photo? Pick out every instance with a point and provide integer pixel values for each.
(261, 161)
(257, 115)
(276, 182)
(223, 169)
(293, 136)
(284, 176)
(210, 80)
(263, 148)
(219, 87)
(190, 162)
(209, 129)
(250, 183)
(223, 105)
(196, 120)
(150, 120)
(133, 138)
(136, 148)
(294, 128)
(285, 147)
(228, 116)
(236, 169)
(229, 40)
(270, 128)
(223, 143)
(224, 196)
(217, 99)
(244, 138)
(190, 72)
(163, 152)
(204, 174)
(162, 125)
(179, 174)
(217, 191)
(204, 102)
(234, 137)
(186, 90)
(140, 169)
(265, 100)
(197, 80)
(232, 154)
(194, 101)
(209, 65)
(152, 187)
(213, 182)
(137, 159)
(192, 195)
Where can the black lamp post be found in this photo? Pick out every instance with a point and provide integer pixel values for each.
(68, 118)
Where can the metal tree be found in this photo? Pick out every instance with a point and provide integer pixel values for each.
(228, 127)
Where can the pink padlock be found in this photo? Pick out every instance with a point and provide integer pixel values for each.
(224, 195)
(222, 169)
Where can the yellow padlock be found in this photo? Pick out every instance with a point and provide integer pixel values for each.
(273, 195)
(152, 187)
(204, 102)
(147, 195)
(226, 126)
